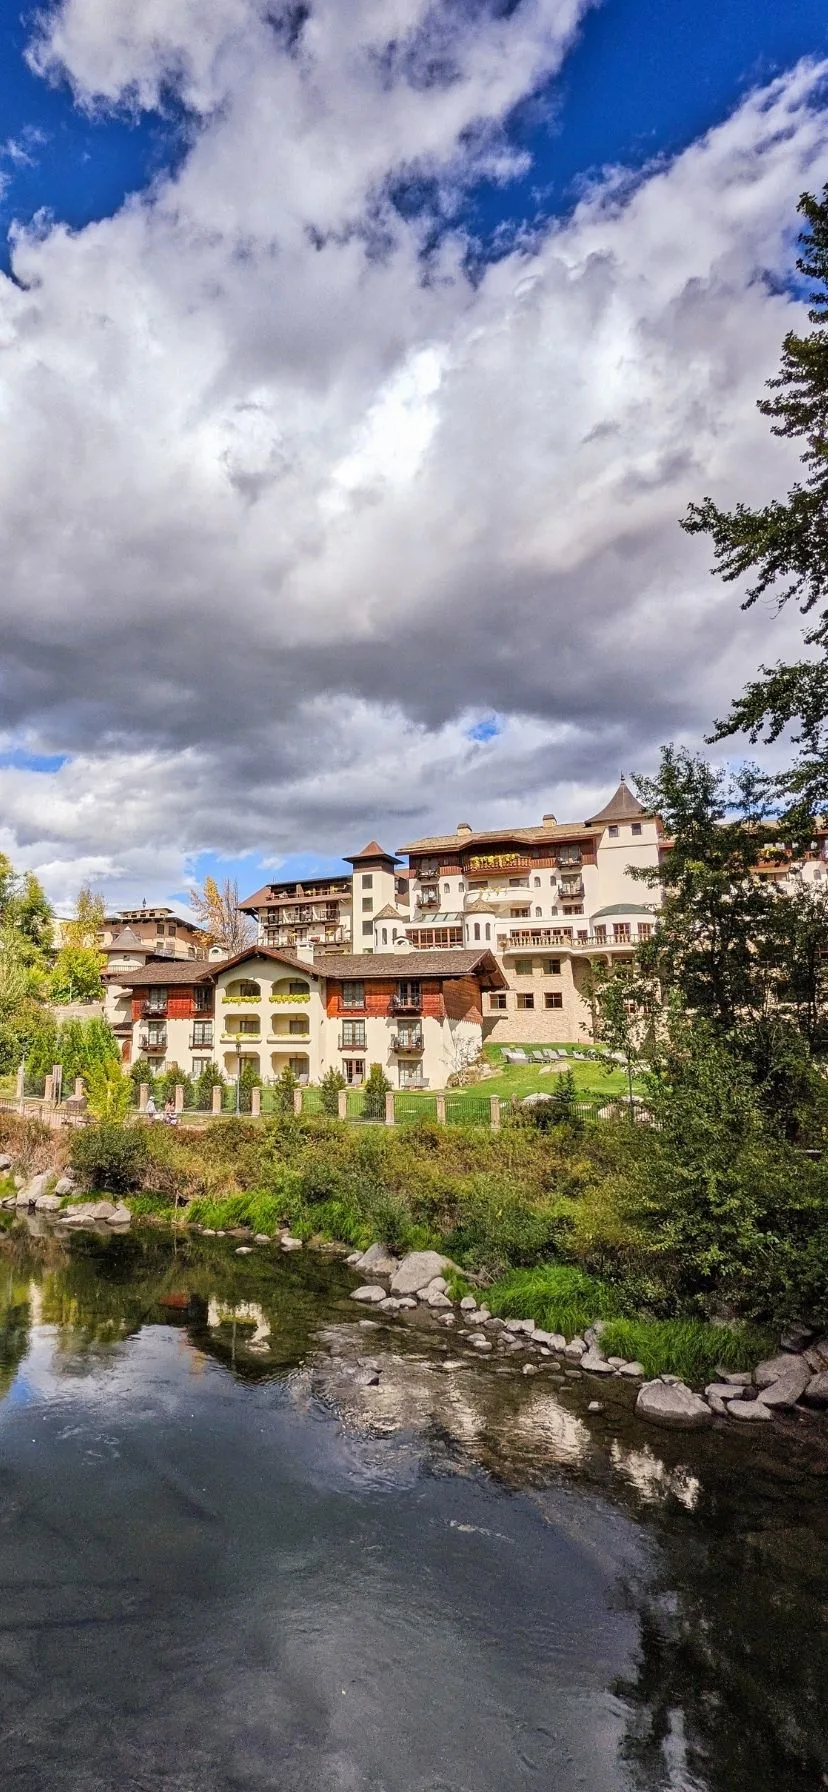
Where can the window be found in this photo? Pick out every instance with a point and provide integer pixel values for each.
(515, 883)
(385, 936)
(202, 1032)
(536, 882)
(497, 999)
(197, 1065)
(353, 995)
(408, 993)
(538, 913)
(613, 833)
(393, 935)
(523, 967)
(367, 904)
(353, 1070)
(156, 1001)
(248, 989)
(526, 1001)
(353, 1033)
(298, 1026)
(645, 928)
(367, 880)
(636, 827)
(203, 1001)
(297, 989)
(299, 1066)
(552, 967)
(367, 929)
(488, 930)
(477, 930)
(249, 1023)
(553, 999)
(447, 889)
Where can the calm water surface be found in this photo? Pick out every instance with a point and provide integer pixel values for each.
(228, 1565)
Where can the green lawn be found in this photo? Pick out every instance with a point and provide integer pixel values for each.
(593, 1081)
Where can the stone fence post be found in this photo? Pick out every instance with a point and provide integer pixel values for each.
(494, 1108)
(255, 1103)
(441, 1109)
(390, 1116)
(80, 1090)
(143, 1098)
(179, 1098)
(297, 1101)
(342, 1104)
(216, 1098)
(47, 1092)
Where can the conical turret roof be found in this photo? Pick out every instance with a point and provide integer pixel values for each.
(622, 806)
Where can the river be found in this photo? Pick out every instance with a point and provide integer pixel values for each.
(251, 1542)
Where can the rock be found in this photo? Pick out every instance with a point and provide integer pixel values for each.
(370, 1295)
(454, 1362)
(739, 1379)
(790, 1387)
(575, 1349)
(121, 1216)
(407, 1303)
(765, 1374)
(816, 1393)
(294, 1244)
(5, 1161)
(617, 1362)
(262, 1238)
(749, 1411)
(478, 1342)
(376, 1261)
(208, 1232)
(65, 1185)
(483, 1315)
(31, 1191)
(370, 1325)
(468, 1304)
(366, 1378)
(102, 1210)
(595, 1406)
(723, 1390)
(417, 1269)
(796, 1337)
(672, 1405)
(47, 1204)
(439, 1300)
(438, 1285)
(594, 1364)
(526, 1326)
(244, 1250)
(530, 1369)
(717, 1405)
(817, 1356)
(354, 1258)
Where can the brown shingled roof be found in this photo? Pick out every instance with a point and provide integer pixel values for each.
(569, 830)
(449, 963)
(371, 851)
(165, 971)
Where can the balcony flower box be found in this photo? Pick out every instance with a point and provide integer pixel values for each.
(304, 996)
(246, 1001)
(241, 1038)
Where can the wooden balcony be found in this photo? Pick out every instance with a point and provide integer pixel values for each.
(408, 1041)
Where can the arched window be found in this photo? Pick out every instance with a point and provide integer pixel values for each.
(246, 988)
(477, 930)
(447, 889)
(488, 930)
(385, 936)
(538, 913)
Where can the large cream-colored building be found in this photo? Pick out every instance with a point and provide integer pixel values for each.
(419, 1015)
(331, 914)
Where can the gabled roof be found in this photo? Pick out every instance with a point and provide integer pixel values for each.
(126, 941)
(622, 806)
(166, 972)
(371, 851)
(353, 968)
(551, 832)
(390, 914)
(275, 953)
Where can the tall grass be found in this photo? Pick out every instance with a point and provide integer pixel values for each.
(558, 1296)
(686, 1347)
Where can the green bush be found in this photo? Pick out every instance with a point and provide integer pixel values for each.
(110, 1155)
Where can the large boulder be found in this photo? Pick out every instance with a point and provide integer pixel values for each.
(417, 1270)
(121, 1216)
(65, 1185)
(102, 1210)
(370, 1295)
(750, 1412)
(47, 1204)
(765, 1374)
(816, 1393)
(790, 1387)
(673, 1405)
(31, 1192)
(595, 1364)
(377, 1261)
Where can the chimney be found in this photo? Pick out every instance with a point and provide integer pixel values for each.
(463, 827)
(304, 950)
(550, 821)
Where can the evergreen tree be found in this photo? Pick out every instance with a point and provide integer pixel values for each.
(783, 548)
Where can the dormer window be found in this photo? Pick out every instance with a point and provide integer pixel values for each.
(613, 832)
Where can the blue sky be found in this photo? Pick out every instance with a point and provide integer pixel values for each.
(645, 79)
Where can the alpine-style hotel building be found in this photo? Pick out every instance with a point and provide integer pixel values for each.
(410, 965)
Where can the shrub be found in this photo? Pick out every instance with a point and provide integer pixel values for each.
(110, 1155)
(375, 1089)
(329, 1088)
